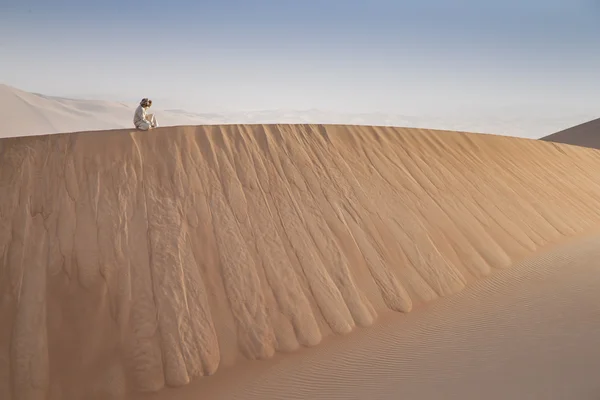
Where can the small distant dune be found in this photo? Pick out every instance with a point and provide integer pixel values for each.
(173, 262)
(585, 135)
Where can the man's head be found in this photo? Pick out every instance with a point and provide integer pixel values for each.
(146, 102)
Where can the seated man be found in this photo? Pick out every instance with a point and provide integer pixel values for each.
(144, 121)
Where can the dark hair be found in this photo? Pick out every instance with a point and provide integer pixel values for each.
(146, 102)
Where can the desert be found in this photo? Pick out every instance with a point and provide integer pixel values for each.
(299, 200)
(297, 261)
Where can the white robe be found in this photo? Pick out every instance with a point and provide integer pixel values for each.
(142, 120)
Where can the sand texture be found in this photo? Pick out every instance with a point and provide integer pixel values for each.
(584, 135)
(531, 331)
(136, 261)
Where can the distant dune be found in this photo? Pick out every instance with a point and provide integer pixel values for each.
(25, 113)
(134, 261)
(585, 135)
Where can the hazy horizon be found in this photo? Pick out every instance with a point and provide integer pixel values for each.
(431, 58)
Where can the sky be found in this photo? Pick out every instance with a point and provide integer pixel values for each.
(405, 57)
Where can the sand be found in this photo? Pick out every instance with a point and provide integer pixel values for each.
(585, 135)
(158, 262)
(521, 334)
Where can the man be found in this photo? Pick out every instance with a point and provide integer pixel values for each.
(144, 121)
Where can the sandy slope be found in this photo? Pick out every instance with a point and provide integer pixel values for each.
(585, 135)
(528, 332)
(133, 261)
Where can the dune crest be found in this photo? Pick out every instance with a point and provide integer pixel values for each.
(132, 261)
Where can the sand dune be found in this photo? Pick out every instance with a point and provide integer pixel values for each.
(585, 135)
(135, 261)
(27, 113)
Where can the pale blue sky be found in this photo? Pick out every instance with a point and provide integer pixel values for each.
(405, 57)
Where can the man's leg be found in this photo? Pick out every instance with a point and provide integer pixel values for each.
(153, 120)
(144, 126)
